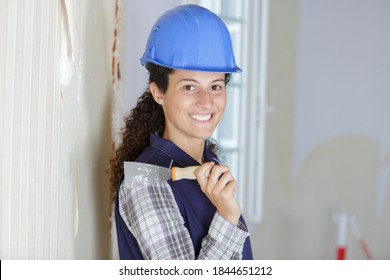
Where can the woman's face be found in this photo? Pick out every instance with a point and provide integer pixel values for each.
(193, 104)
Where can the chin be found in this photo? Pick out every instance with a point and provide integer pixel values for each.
(204, 136)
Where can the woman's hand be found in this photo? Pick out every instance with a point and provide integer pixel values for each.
(218, 184)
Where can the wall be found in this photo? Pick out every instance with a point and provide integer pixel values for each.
(92, 79)
(327, 136)
(36, 212)
(139, 19)
(271, 238)
(55, 140)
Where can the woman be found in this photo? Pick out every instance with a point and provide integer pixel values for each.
(189, 58)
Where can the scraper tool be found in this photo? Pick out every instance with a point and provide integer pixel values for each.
(157, 173)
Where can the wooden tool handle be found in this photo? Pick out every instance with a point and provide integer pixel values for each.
(179, 173)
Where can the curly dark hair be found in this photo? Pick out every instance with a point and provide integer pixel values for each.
(145, 118)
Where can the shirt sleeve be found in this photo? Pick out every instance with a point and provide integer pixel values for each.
(153, 217)
(224, 240)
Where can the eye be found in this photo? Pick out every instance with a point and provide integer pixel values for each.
(189, 88)
(217, 88)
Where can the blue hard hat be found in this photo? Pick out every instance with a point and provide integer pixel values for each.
(190, 37)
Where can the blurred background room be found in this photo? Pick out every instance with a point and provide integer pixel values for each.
(306, 131)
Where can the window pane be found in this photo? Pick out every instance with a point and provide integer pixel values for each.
(231, 8)
(228, 127)
(235, 30)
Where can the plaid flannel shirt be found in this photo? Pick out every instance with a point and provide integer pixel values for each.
(153, 217)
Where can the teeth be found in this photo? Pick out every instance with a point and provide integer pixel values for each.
(202, 118)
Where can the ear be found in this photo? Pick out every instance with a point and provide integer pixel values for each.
(157, 94)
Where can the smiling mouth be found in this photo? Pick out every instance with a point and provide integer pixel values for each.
(201, 117)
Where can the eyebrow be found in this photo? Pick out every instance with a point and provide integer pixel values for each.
(196, 81)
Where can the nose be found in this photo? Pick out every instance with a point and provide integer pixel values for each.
(204, 99)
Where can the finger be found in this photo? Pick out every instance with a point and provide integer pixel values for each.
(203, 172)
(223, 180)
(214, 185)
(231, 188)
(217, 171)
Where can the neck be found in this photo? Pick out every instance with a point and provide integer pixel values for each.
(194, 149)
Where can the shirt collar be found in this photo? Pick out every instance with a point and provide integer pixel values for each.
(180, 157)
